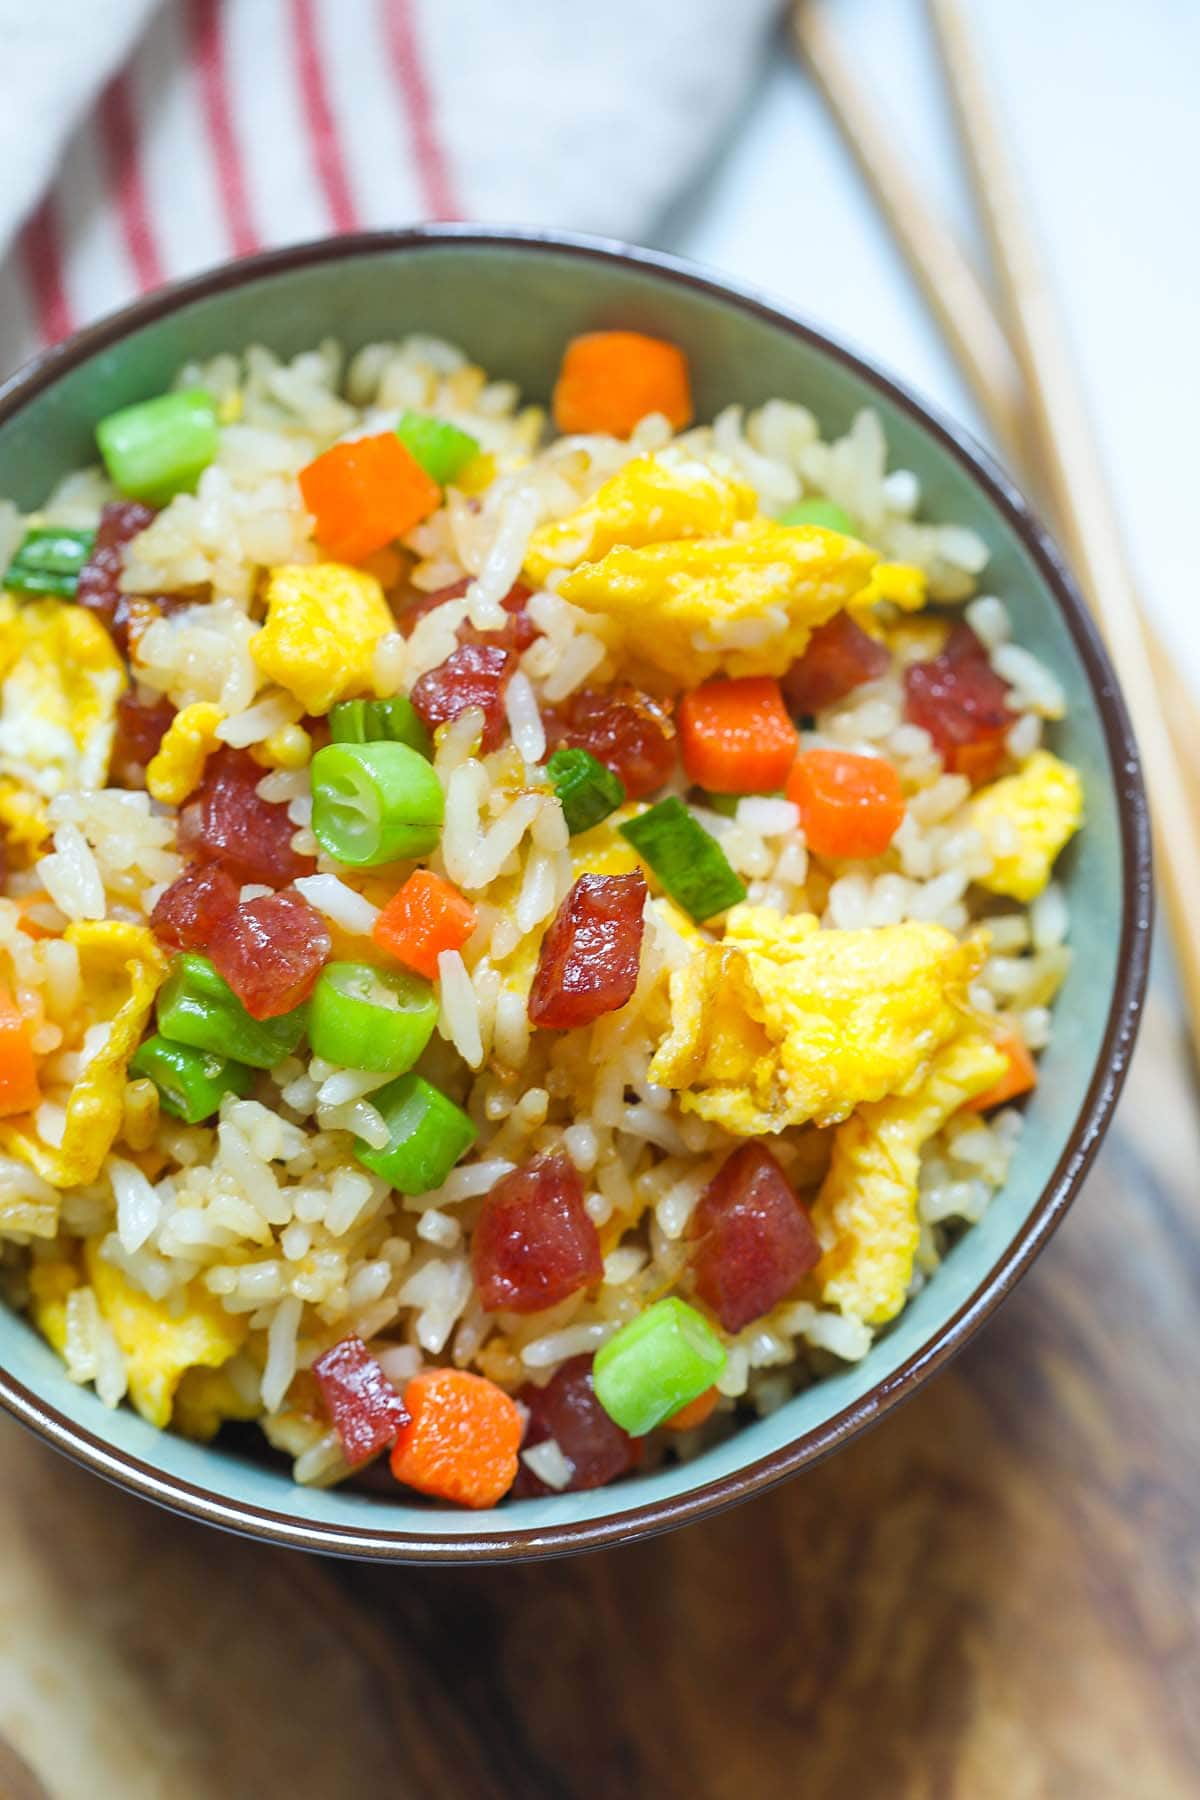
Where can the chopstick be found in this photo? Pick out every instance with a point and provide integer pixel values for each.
(958, 301)
(1063, 444)
(950, 285)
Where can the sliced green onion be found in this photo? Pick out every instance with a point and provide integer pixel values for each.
(361, 1017)
(689, 862)
(815, 511)
(666, 1357)
(589, 792)
(442, 450)
(49, 560)
(160, 447)
(374, 803)
(197, 1007)
(394, 721)
(428, 1134)
(191, 1083)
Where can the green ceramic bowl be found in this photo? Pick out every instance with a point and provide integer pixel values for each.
(512, 299)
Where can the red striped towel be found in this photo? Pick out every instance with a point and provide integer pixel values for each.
(236, 124)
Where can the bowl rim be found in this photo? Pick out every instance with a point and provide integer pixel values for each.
(528, 1543)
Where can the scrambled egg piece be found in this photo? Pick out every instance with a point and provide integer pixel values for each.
(50, 1286)
(157, 1343)
(175, 770)
(866, 1212)
(60, 680)
(744, 603)
(122, 968)
(603, 851)
(784, 1022)
(323, 623)
(1025, 819)
(652, 499)
(905, 586)
(204, 1399)
(22, 819)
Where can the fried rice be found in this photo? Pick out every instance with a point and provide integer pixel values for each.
(200, 1271)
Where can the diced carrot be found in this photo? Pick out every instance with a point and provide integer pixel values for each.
(462, 1441)
(694, 1413)
(736, 736)
(18, 1072)
(424, 917)
(850, 805)
(610, 380)
(365, 493)
(1020, 1077)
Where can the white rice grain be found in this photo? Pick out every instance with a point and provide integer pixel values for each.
(260, 721)
(399, 1362)
(439, 1228)
(458, 1020)
(71, 875)
(768, 818)
(1024, 737)
(280, 1365)
(547, 1461)
(988, 618)
(138, 1205)
(524, 719)
(439, 1291)
(1035, 688)
(1048, 918)
(388, 664)
(339, 903)
(321, 1463)
(557, 1346)
(579, 1142)
(502, 564)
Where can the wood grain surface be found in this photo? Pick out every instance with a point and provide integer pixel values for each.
(995, 1595)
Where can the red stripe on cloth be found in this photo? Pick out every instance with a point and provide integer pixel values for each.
(119, 135)
(208, 58)
(400, 27)
(322, 126)
(41, 252)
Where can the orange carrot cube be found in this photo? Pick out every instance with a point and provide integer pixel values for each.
(462, 1441)
(365, 493)
(424, 917)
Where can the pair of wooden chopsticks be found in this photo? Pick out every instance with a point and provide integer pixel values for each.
(1024, 379)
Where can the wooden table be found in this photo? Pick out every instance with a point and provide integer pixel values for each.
(993, 1596)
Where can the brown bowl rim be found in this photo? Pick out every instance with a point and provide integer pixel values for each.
(504, 1545)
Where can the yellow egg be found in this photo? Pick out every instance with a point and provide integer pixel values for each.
(603, 851)
(866, 1212)
(122, 968)
(50, 1284)
(176, 769)
(204, 1399)
(288, 748)
(901, 584)
(744, 603)
(158, 1341)
(60, 680)
(23, 820)
(1025, 819)
(652, 499)
(783, 1022)
(323, 623)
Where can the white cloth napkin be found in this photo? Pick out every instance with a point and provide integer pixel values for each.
(144, 141)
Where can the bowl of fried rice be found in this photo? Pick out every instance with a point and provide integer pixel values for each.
(575, 894)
